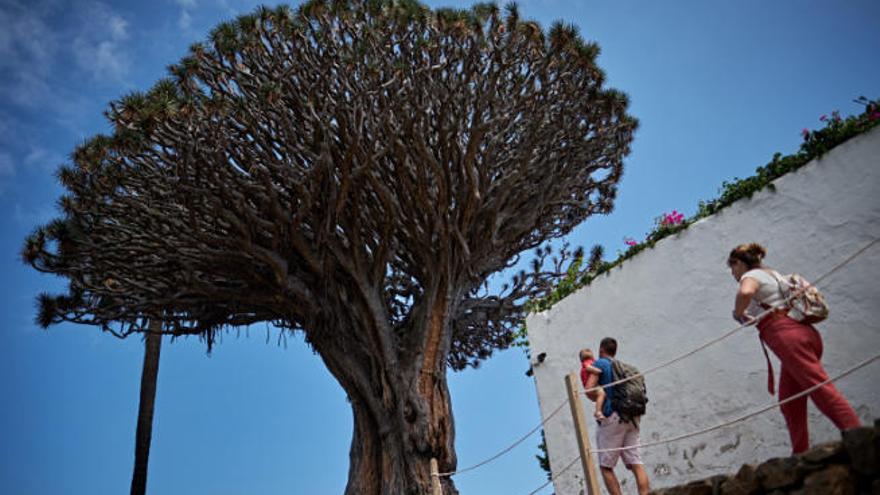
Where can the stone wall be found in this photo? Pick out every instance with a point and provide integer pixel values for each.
(847, 467)
(678, 295)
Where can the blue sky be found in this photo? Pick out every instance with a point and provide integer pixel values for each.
(718, 88)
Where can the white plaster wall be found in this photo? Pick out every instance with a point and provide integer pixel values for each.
(679, 295)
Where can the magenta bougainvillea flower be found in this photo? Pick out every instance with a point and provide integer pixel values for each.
(673, 218)
(805, 133)
(836, 115)
(629, 241)
(823, 118)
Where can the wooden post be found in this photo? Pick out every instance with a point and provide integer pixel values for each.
(572, 383)
(436, 489)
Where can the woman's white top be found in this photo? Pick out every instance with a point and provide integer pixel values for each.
(768, 291)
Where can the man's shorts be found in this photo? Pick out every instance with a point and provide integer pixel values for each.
(612, 433)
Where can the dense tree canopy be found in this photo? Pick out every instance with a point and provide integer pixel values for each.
(354, 170)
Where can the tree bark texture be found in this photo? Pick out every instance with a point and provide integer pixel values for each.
(143, 436)
(401, 406)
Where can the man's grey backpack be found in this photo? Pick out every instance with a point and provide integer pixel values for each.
(630, 398)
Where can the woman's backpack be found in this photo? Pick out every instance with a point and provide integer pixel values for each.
(807, 303)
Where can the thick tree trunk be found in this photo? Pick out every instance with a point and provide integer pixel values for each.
(149, 375)
(393, 454)
(400, 404)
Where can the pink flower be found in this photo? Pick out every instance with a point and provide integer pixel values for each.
(805, 133)
(836, 115)
(823, 118)
(629, 241)
(674, 218)
(875, 116)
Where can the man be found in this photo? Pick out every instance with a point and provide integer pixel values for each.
(614, 433)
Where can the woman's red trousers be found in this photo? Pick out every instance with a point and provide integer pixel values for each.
(799, 348)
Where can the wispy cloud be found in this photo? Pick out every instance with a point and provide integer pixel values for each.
(229, 9)
(118, 27)
(101, 51)
(101, 60)
(186, 6)
(24, 36)
(185, 21)
(35, 48)
(39, 71)
(43, 158)
(27, 49)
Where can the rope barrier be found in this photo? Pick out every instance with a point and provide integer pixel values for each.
(746, 416)
(740, 419)
(557, 476)
(622, 380)
(755, 320)
(662, 365)
(617, 382)
(507, 449)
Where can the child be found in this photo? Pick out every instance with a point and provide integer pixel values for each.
(590, 378)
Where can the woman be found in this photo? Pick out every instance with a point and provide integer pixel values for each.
(797, 345)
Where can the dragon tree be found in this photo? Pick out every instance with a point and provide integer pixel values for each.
(355, 171)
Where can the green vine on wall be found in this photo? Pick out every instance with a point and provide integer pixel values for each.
(816, 143)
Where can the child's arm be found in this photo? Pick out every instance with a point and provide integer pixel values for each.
(594, 370)
(600, 401)
(592, 381)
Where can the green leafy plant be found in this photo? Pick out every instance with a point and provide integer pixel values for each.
(544, 456)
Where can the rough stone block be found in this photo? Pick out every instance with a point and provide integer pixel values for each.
(716, 482)
(700, 487)
(736, 487)
(744, 483)
(877, 437)
(861, 446)
(779, 473)
(836, 479)
(825, 453)
(671, 490)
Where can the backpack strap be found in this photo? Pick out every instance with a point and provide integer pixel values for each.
(770, 378)
(779, 281)
(770, 387)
